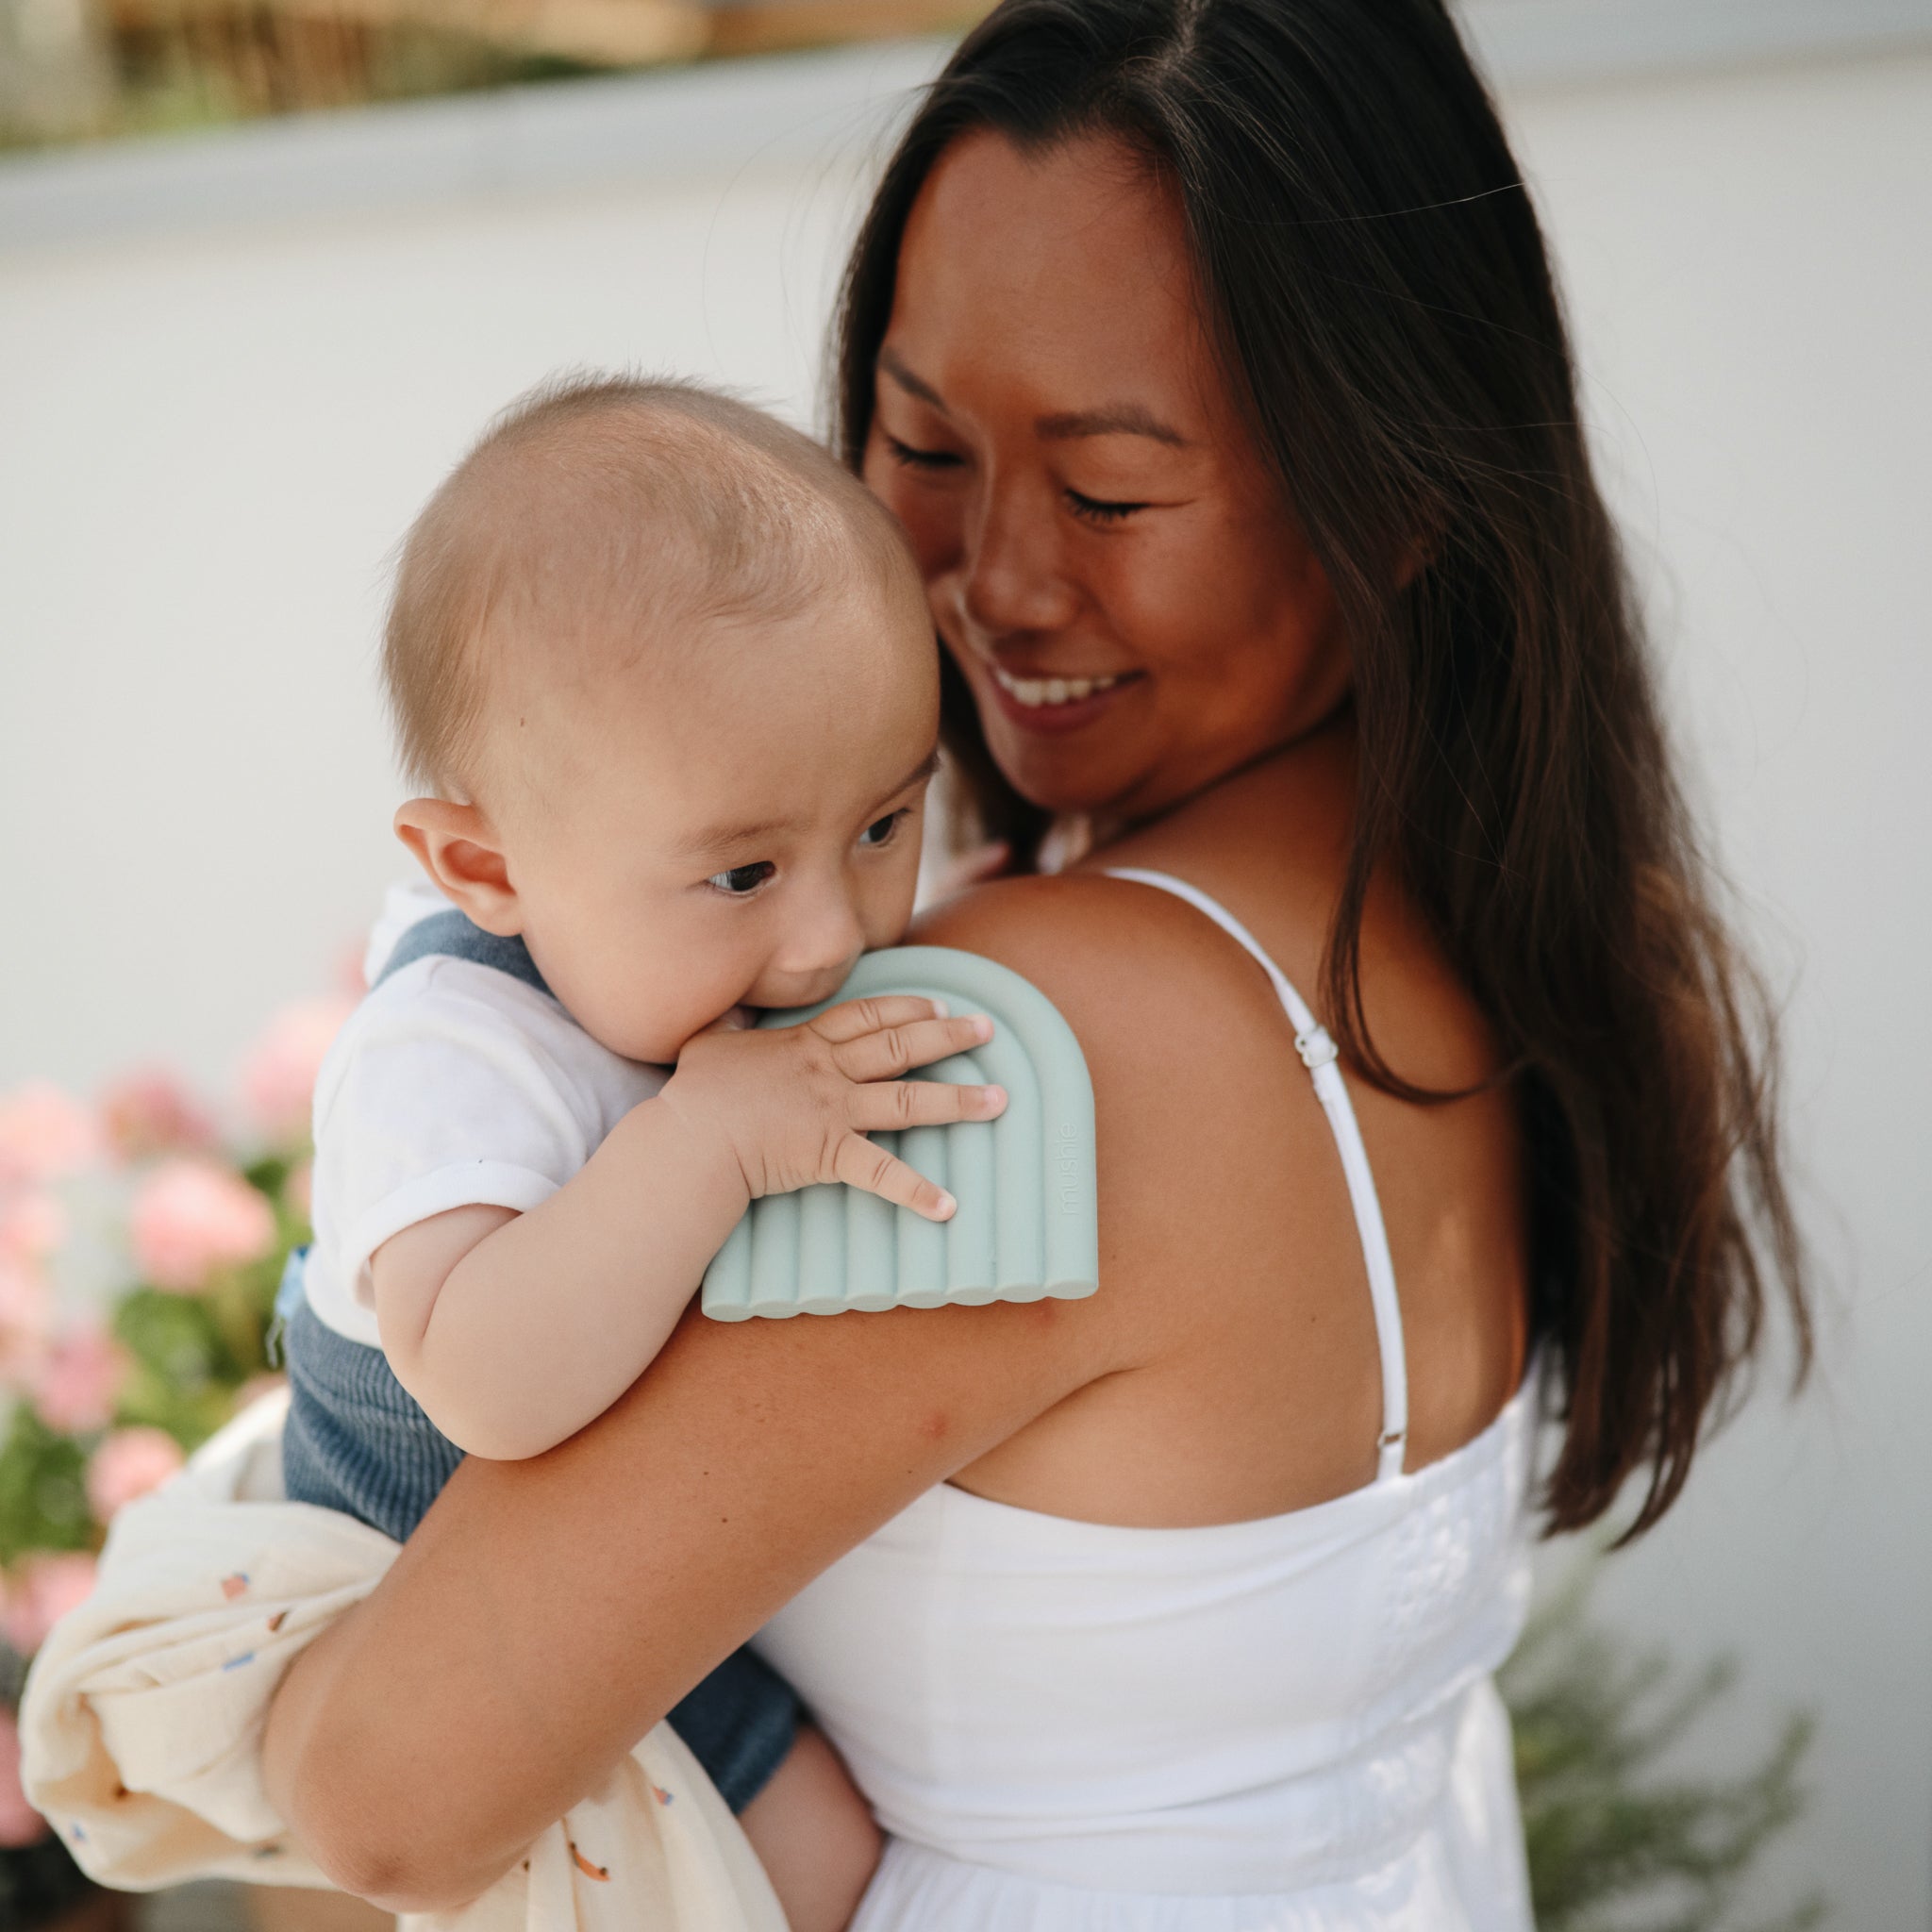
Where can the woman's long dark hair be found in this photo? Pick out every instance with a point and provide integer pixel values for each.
(1373, 271)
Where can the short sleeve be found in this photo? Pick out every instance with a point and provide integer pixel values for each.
(451, 1085)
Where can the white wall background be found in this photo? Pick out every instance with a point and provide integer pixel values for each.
(210, 436)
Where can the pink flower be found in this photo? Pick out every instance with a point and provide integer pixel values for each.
(278, 1075)
(20, 1823)
(24, 1301)
(75, 1384)
(44, 1134)
(41, 1592)
(152, 1113)
(300, 1191)
(32, 1225)
(190, 1217)
(129, 1463)
(27, 1314)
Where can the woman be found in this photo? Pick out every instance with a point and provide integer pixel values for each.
(1208, 351)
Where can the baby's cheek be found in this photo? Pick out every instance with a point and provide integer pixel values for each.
(886, 917)
(627, 1012)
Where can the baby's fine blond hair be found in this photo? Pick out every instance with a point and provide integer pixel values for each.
(612, 511)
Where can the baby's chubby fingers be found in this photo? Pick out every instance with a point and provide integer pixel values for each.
(888, 1052)
(887, 1106)
(851, 1019)
(863, 1164)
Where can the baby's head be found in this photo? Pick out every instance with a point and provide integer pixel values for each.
(666, 674)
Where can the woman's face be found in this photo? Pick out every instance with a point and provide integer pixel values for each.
(1107, 560)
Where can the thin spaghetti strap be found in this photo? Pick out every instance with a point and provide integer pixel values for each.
(1319, 1055)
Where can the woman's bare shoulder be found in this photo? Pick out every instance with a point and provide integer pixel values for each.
(1185, 1041)
(1125, 966)
(1015, 919)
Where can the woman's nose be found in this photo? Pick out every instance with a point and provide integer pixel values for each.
(1011, 573)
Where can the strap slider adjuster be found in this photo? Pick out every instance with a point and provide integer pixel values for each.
(1316, 1048)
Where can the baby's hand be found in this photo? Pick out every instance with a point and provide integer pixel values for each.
(793, 1105)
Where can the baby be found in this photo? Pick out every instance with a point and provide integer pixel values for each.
(665, 674)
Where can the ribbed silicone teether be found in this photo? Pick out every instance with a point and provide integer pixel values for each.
(1025, 1226)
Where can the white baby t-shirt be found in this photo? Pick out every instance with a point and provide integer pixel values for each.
(452, 1084)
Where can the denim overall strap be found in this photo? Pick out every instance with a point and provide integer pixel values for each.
(451, 935)
(454, 935)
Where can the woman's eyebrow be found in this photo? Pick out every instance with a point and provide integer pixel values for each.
(912, 385)
(1116, 419)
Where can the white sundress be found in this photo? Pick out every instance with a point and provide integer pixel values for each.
(1279, 1725)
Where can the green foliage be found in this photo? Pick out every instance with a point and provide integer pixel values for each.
(43, 1501)
(184, 1368)
(1617, 1843)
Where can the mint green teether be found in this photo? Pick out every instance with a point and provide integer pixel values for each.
(1025, 1226)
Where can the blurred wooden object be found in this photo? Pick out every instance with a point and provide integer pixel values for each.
(774, 27)
(192, 63)
(280, 54)
(57, 73)
(593, 33)
(284, 1908)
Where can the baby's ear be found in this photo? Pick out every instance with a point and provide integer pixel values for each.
(456, 845)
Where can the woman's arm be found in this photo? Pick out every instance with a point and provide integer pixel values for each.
(547, 1613)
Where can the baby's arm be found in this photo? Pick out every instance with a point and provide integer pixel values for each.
(514, 1330)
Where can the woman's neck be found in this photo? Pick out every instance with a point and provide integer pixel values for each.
(1306, 784)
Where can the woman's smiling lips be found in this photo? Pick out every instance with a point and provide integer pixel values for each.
(1055, 703)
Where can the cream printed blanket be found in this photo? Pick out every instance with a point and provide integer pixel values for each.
(142, 1721)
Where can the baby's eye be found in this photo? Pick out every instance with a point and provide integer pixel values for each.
(742, 880)
(882, 831)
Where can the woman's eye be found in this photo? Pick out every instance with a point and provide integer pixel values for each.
(742, 880)
(904, 452)
(1096, 511)
(882, 831)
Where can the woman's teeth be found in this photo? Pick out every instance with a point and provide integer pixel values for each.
(1035, 691)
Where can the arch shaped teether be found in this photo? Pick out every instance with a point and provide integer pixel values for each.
(1024, 1227)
